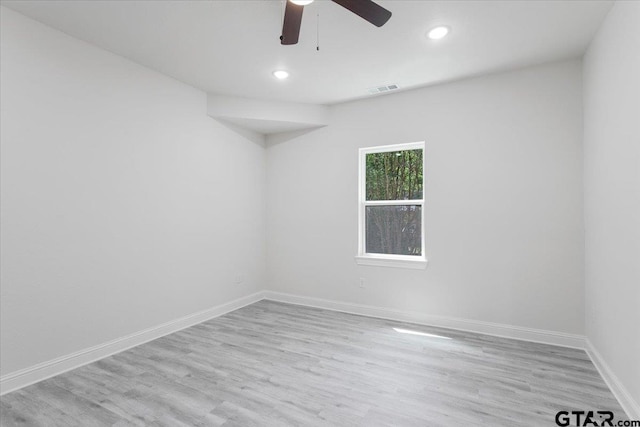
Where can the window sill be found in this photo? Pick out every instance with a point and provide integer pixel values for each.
(417, 263)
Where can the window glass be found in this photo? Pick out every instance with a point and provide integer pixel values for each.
(394, 175)
(394, 229)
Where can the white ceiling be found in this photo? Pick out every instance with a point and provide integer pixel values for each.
(231, 47)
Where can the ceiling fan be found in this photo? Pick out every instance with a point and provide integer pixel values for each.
(366, 9)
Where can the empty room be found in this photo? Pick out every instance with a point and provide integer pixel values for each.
(320, 213)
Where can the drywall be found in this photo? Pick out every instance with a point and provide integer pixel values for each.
(266, 117)
(504, 228)
(612, 197)
(123, 205)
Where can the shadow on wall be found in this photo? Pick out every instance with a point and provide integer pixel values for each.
(279, 138)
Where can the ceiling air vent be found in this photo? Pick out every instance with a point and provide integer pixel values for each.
(382, 89)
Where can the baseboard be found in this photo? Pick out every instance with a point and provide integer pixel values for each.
(42, 371)
(630, 406)
(487, 328)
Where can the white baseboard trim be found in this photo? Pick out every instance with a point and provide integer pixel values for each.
(630, 406)
(487, 328)
(24, 377)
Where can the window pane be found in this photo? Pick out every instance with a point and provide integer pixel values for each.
(394, 175)
(394, 230)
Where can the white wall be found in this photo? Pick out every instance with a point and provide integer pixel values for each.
(123, 205)
(612, 194)
(504, 227)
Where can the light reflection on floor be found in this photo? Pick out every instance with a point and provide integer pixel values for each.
(422, 334)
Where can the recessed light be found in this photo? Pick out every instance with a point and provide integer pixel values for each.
(301, 2)
(280, 74)
(438, 32)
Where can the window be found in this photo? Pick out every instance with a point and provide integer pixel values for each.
(391, 206)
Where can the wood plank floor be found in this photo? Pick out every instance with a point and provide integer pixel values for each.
(274, 364)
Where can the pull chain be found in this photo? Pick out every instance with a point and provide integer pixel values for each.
(318, 32)
(283, 5)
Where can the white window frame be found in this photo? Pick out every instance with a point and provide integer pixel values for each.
(387, 260)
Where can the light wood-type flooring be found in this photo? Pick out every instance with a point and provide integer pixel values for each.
(273, 364)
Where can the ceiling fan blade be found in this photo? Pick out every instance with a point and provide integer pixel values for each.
(368, 10)
(291, 25)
